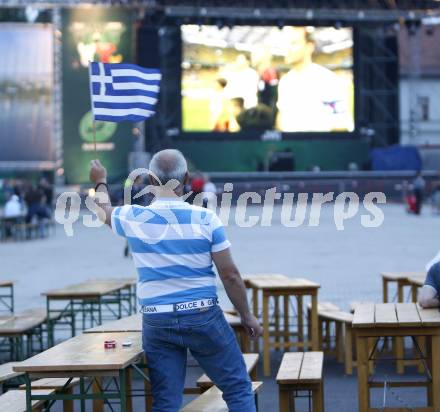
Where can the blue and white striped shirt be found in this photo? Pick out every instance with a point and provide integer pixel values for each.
(171, 242)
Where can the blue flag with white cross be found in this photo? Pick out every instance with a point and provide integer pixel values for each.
(123, 91)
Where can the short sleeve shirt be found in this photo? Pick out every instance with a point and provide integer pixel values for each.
(171, 243)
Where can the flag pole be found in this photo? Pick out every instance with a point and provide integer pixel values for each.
(94, 137)
(91, 107)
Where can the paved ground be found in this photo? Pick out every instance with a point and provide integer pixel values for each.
(346, 264)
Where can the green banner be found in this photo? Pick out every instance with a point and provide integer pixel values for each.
(93, 34)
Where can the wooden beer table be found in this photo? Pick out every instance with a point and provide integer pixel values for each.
(397, 320)
(400, 279)
(87, 299)
(131, 285)
(134, 324)
(85, 356)
(18, 331)
(286, 288)
(255, 302)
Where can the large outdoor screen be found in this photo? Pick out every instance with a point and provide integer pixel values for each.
(26, 87)
(252, 78)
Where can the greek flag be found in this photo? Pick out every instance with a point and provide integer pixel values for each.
(123, 91)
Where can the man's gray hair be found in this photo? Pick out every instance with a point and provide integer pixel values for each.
(167, 165)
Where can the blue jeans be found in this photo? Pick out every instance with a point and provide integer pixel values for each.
(210, 339)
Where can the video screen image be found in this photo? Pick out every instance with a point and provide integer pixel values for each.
(26, 87)
(255, 78)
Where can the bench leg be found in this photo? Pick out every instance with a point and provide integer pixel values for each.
(315, 331)
(428, 347)
(98, 404)
(321, 334)
(435, 370)
(286, 322)
(300, 320)
(284, 399)
(340, 342)
(148, 396)
(348, 351)
(318, 399)
(266, 338)
(123, 390)
(328, 340)
(371, 344)
(256, 343)
(277, 321)
(82, 391)
(68, 404)
(400, 352)
(129, 377)
(422, 345)
(362, 367)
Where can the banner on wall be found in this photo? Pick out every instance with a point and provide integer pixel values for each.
(101, 35)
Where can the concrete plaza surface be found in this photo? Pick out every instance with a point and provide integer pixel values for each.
(346, 263)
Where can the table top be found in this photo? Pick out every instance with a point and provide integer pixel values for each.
(84, 353)
(17, 324)
(85, 290)
(301, 367)
(249, 276)
(283, 283)
(129, 281)
(418, 280)
(133, 323)
(6, 283)
(395, 315)
(395, 276)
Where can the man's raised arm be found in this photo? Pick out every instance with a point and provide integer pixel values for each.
(98, 176)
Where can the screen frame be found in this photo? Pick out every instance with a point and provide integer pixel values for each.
(274, 135)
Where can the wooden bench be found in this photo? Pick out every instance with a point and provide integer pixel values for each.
(20, 329)
(250, 359)
(7, 372)
(341, 343)
(15, 401)
(301, 371)
(331, 329)
(59, 385)
(212, 401)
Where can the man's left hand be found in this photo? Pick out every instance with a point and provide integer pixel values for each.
(98, 173)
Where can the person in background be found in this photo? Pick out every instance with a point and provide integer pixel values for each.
(219, 107)
(46, 188)
(13, 207)
(242, 81)
(209, 192)
(269, 78)
(197, 184)
(419, 191)
(36, 204)
(310, 96)
(12, 212)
